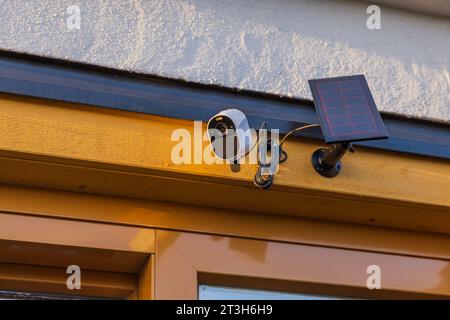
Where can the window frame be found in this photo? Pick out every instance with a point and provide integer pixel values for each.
(186, 260)
(37, 260)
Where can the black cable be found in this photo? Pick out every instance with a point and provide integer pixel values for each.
(260, 180)
(284, 153)
(264, 182)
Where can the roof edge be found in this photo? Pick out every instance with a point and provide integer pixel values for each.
(61, 80)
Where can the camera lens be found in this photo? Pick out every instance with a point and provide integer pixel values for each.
(222, 128)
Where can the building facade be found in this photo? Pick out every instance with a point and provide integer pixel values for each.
(93, 203)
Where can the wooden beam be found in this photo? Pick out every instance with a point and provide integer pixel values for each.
(112, 210)
(59, 242)
(48, 231)
(63, 80)
(86, 149)
(28, 278)
(63, 256)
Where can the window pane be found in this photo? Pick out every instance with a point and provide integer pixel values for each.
(223, 293)
(15, 295)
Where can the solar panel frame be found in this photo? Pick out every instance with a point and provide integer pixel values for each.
(353, 107)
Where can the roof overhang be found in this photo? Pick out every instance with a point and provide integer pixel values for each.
(114, 89)
(77, 146)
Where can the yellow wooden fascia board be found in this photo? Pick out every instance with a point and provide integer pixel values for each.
(88, 149)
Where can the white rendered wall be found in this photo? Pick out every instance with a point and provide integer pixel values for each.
(273, 46)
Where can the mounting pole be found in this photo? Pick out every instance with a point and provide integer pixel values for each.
(327, 162)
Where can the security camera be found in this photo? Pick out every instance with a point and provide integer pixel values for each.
(232, 139)
(230, 135)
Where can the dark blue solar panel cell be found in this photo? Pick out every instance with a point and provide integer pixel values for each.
(346, 109)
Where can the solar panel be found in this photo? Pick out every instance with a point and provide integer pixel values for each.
(346, 109)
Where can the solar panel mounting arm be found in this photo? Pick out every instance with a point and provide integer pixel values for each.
(327, 162)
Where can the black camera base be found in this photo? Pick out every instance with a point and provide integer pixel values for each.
(327, 162)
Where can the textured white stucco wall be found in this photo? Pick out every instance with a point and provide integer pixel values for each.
(265, 45)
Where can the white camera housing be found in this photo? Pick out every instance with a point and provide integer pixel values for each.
(230, 135)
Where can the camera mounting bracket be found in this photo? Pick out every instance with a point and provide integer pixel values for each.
(327, 162)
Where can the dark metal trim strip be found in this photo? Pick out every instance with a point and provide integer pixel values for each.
(86, 84)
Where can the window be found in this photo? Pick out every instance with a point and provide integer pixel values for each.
(207, 292)
(35, 254)
(16, 295)
(200, 266)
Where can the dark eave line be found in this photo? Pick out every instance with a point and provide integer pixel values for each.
(98, 86)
